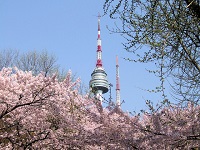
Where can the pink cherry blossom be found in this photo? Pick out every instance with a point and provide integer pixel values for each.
(38, 112)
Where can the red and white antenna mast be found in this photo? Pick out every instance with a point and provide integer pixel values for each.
(99, 51)
(117, 84)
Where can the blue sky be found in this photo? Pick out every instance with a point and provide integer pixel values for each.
(68, 30)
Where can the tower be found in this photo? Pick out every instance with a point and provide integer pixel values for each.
(117, 84)
(98, 83)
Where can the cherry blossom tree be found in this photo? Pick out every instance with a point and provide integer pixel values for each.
(172, 127)
(32, 108)
(40, 112)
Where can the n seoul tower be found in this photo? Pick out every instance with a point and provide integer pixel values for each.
(99, 83)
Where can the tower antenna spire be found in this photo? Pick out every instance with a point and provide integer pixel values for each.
(99, 84)
(99, 16)
(117, 84)
(99, 51)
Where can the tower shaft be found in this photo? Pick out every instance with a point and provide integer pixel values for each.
(117, 83)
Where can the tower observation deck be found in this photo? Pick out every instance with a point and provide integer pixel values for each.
(99, 83)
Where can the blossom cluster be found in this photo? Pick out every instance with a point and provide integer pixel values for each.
(39, 112)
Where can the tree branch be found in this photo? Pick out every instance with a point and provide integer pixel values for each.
(194, 7)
